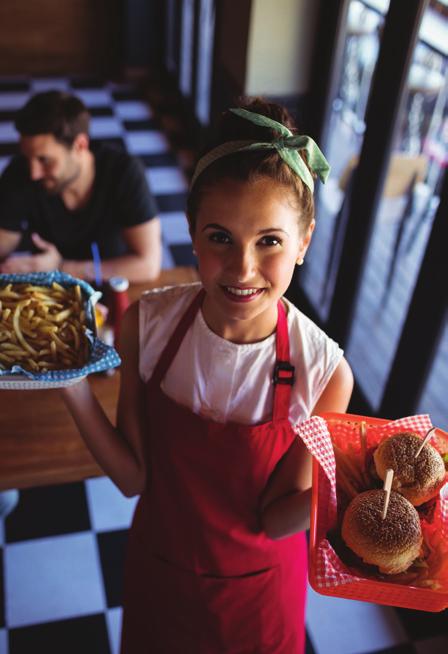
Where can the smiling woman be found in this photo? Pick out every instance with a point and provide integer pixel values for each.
(214, 376)
(247, 255)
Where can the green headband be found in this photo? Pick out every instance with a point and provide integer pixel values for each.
(287, 146)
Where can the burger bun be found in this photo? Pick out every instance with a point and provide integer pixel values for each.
(418, 479)
(391, 544)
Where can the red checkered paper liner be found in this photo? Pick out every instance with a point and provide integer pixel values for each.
(330, 571)
(314, 433)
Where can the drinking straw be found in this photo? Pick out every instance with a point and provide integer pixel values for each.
(97, 264)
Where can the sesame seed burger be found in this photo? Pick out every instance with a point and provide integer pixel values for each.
(418, 479)
(391, 544)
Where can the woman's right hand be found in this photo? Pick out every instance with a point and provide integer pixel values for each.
(73, 390)
(111, 446)
(120, 449)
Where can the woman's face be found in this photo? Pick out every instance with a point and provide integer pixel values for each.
(247, 239)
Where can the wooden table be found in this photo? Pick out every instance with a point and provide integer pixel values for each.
(39, 443)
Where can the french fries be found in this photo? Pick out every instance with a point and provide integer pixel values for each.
(42, 328)
(349, 474)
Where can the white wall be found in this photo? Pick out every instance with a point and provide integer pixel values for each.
(280, 45)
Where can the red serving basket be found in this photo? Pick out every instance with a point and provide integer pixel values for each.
(364, 589)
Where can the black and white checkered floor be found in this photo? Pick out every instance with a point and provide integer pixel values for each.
(61, 549)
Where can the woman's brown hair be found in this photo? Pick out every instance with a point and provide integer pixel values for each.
(250, 166)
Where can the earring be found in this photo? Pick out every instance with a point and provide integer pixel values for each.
(299, 261)
(195, 253)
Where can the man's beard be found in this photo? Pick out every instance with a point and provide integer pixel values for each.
(59, 185)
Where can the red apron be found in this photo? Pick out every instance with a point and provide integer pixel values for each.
(200, 576)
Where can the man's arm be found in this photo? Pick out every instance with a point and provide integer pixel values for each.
(8, 242)
(16, 205)
(140, 265)
(135, 210)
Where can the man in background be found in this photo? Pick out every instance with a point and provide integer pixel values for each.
(64, 205)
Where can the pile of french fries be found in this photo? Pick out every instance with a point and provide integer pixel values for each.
(42, 328)
(352, 473)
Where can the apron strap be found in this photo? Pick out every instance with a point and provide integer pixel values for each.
(176, 339)
(283, 378)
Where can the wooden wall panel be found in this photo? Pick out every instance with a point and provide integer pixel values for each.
(49, 37)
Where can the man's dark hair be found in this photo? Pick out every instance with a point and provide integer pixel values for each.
(54, 112)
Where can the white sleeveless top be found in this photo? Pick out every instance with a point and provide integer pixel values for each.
(227, 381)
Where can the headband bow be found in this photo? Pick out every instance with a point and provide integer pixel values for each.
(287, 146)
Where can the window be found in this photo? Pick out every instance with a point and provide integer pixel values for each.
(346, 132)
(375, 234)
